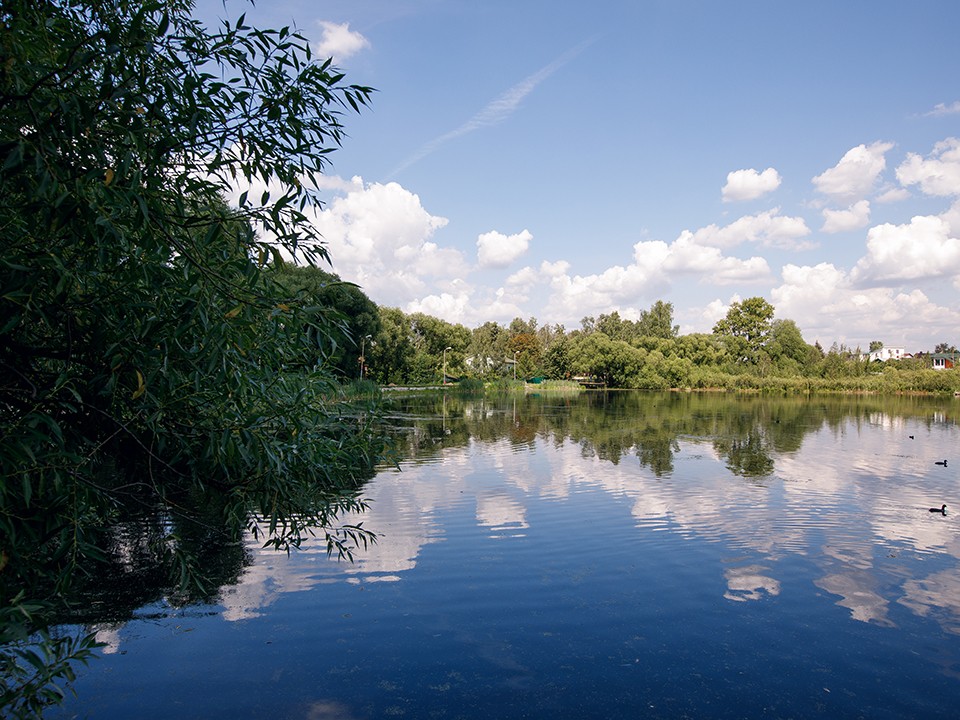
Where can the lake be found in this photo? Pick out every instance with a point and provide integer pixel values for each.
(604, 555)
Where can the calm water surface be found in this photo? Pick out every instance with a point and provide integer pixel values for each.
(601, 556)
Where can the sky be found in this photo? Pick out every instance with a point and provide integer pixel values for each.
(557, 160)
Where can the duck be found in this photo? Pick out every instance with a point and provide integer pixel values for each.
(942, 510)
(941, 462)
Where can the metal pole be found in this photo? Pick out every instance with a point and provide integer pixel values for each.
(443, 380)
(363, 347)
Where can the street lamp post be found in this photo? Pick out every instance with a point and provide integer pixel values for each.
(443, 380)
(363, 347)
(515, 364)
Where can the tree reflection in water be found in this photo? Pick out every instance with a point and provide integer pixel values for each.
(748, 430)
(768, 480)
(750, 433)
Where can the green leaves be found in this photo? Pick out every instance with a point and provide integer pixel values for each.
(746, 327)
(33, 664)
(147, 353)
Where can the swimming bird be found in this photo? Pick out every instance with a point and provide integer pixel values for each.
(942, 510)
(910, 436)
(941, 462)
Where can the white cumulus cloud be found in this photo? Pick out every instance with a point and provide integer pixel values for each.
(828, 306)
(713, 313)
(554, 269)
(444, 305)
(856, 174)
(750, 184)
(767, 228)
(922, 249)
(892, 194)
(470, 305)
(938, 174)
(655, 265)
(380, 237)
(952, 218)
(574, 297)
(853, 218)
(496, 250)
(686, 256)
(339, 41)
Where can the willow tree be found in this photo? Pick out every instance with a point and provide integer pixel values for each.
(144, 352)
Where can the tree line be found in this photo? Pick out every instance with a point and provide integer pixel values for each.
(748, 345)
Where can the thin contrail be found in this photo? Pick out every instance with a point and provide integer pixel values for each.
(497, 110)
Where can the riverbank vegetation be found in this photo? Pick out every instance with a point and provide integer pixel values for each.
(749, 349)
(161, 384)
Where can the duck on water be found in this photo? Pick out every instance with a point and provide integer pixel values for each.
(942, 510)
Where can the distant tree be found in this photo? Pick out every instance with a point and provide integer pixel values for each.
(786, 346)
(815, 355)
(615, 327)
(488, 349)
(556, 359)
(528, 351)
(388, 358)
(550, 334)
(875, 345)
(617, 363)
(945, 348)
(658, 321)
(834, 365)
(747, 323)
(520, 326)
(701, 349)
(350, 315)
(430, 336)
(592, 355)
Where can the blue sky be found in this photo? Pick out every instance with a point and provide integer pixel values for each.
(558, 160)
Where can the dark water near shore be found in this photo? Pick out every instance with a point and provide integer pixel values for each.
(599, 556)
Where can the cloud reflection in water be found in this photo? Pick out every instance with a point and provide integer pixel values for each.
(848, 496)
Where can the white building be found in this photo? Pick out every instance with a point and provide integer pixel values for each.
(888, 353)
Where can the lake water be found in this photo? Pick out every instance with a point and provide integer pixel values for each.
(609, 555)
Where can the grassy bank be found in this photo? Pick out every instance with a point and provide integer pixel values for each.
(934, 382)
(896, 382)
